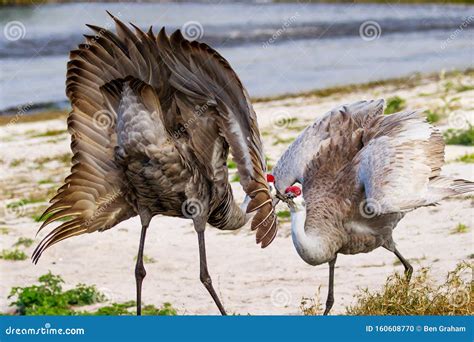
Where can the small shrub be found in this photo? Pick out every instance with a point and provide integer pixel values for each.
(419, 297)
(4, 231)
(13, 254)
(27, 242)
(235, 178)
(231, 164)
(460, 136)
(48, 298)
(394, 105)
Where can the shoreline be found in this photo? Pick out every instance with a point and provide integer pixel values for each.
(41, 111)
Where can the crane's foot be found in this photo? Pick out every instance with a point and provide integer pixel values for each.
(406, 264)
(140, 274)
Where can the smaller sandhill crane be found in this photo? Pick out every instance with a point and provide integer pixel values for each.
(361, 172)
(153, 118)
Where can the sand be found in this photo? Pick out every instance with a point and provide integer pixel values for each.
(249, 280)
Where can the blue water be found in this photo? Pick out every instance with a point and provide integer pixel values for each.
(275, 48)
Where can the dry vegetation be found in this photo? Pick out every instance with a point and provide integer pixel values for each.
(419, 297)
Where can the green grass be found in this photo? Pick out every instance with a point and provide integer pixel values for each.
(269, 163)
(50, 133)
(127, 308)
(284, 215)
(231, 164)
(22, 241)
(64, 158)
(461, 228)
(460, 136)
(394, 104)
(432, 116)
(467, 158)
(235, 178)
(146, 259)
(38, 218)
(419, 297)
(49, 298)
(17, 162)
(46, 181)
(279, 140)
(13, 255)
(25, 201)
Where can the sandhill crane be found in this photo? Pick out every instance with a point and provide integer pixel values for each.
(153, 118)
(361, 172)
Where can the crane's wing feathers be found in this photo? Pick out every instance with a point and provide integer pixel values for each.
(204, 79)
(400, 166)
(176, 74)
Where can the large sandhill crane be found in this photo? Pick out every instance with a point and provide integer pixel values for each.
(152, 121)
(361, 172)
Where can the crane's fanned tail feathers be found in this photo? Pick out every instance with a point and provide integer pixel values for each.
(169, 75)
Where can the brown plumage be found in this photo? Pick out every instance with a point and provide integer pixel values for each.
(365, 171)
(152, 122)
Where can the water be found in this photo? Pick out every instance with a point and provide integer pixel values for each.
(275, 48)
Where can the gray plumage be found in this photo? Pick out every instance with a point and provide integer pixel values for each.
(361, 172)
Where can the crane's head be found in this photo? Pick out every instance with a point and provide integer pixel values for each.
(290, 192)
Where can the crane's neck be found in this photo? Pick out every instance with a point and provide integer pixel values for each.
(310, 246)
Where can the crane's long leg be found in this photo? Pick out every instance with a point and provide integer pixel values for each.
(140, 271)
(406, 264)
(200, 226)
(330, 299)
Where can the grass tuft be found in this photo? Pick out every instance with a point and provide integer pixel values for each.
(394, 105)
(50, 133)
(467, 158)
(22, 241)
(432, 116)
(420, 296)
(13, 255)
(460, 136)
(284, 215)
(461, 228)
(311, 306)
(146, 259)
(126, 308)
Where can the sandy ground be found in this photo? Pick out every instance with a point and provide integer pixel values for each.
(249, 280)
